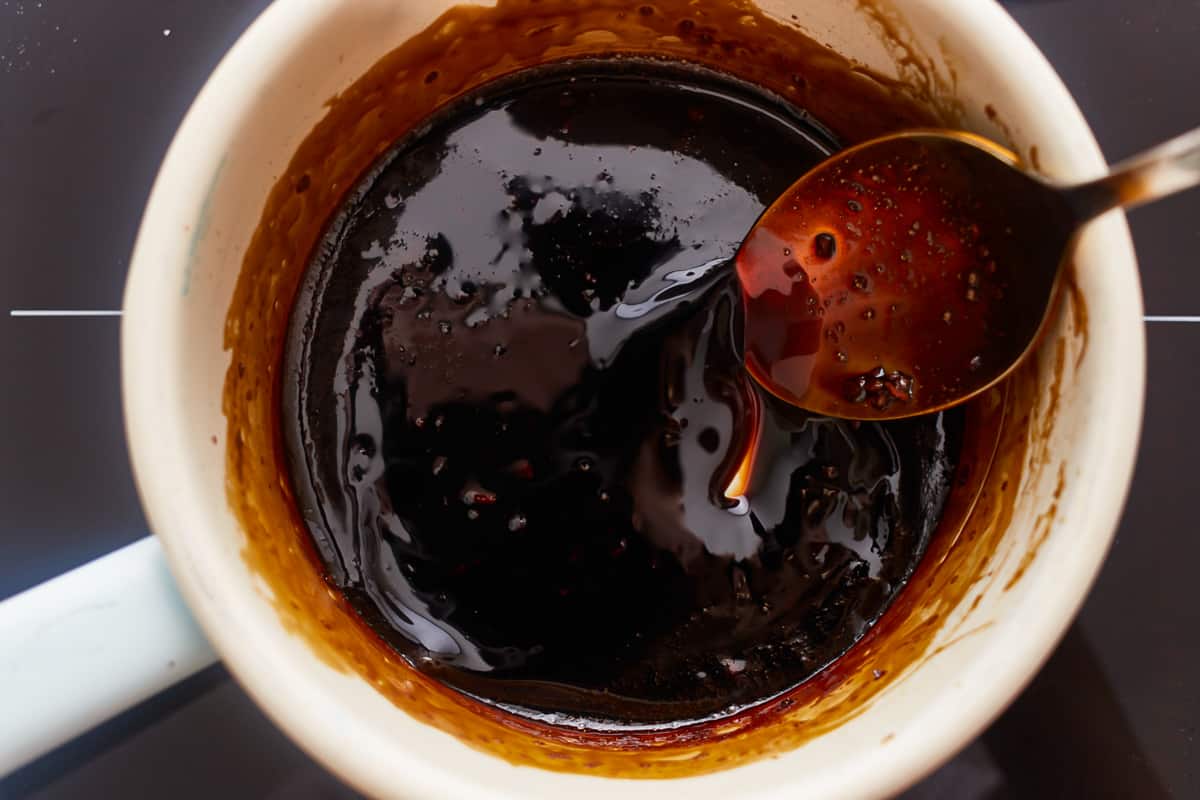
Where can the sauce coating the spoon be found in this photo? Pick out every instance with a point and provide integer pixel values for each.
(899, 277)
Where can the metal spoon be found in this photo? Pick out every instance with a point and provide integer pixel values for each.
(912, 272)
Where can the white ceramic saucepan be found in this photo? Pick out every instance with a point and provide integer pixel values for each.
(1061, 476)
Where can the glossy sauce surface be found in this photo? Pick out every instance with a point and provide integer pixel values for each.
(515, 407)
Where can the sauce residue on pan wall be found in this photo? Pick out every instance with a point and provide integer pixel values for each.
(464, 48)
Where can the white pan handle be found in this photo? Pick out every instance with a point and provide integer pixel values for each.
(89, 644)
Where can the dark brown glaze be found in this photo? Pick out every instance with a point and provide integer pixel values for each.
(466, 47)
(514, 398)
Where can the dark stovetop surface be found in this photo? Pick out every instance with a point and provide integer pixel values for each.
(92, 93)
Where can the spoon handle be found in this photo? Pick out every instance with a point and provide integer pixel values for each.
(1166, 169)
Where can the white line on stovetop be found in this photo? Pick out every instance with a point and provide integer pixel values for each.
(37, 312)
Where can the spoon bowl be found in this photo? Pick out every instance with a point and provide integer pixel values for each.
(912, 272)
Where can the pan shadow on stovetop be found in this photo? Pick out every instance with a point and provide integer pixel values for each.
(1065, 736)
